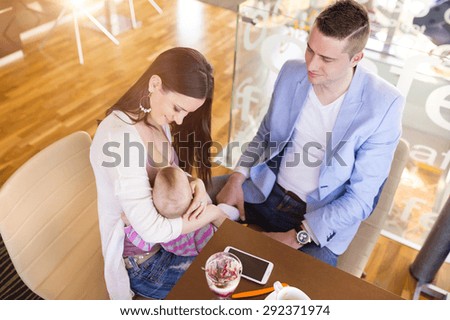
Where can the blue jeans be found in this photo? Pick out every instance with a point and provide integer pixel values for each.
(280, 213)
(156, 276)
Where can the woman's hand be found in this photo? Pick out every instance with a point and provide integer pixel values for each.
(214, 210)
(200, 200)
(213, 215)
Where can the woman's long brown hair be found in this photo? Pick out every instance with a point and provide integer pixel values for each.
(184, 71)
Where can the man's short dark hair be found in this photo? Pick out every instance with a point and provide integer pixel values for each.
(345, 19)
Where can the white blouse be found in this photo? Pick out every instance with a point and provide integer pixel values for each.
(119, 157)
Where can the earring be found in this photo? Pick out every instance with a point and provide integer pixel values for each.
(145, 110)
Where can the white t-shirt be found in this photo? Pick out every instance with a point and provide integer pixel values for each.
(300, 166)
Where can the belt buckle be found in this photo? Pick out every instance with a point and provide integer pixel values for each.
(293, 196)
(138, 259)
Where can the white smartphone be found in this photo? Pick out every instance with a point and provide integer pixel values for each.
(253, 268)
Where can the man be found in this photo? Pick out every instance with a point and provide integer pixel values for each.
(320, 157)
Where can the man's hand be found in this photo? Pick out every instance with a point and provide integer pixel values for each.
(288, 238)
(233, 194)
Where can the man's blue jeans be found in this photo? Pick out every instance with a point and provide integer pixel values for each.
(280, 213)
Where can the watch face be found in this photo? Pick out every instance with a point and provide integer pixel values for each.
(303, 237)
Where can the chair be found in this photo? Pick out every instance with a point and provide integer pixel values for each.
(354, 259)
(78, 9)
(49, 222)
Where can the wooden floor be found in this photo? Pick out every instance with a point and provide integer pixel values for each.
(48, 95)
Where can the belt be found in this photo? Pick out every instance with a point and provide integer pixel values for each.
(291, 194)
(139, 259)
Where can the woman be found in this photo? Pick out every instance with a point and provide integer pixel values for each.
(130, 144)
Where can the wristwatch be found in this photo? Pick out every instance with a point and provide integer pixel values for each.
(303, 237)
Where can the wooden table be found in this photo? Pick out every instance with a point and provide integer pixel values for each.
(317, 279)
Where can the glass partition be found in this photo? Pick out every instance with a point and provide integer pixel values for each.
(404, 49)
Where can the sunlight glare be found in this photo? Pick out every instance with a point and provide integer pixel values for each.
(190, 23)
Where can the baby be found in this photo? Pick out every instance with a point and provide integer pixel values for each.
(172, 196)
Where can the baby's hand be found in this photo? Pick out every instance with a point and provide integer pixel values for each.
(124, 219)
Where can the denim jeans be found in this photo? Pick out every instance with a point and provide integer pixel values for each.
(156, 276)
(280, 213)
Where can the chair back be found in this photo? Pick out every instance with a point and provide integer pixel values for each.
(49, 222)
(355, 258)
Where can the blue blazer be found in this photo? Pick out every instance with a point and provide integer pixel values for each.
(357, 160)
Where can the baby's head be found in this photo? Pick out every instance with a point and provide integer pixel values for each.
(172, 193)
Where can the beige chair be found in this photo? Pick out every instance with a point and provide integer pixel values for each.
(355, 258)
(49, 222)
